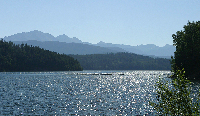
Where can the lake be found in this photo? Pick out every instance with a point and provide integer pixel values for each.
(80, 92)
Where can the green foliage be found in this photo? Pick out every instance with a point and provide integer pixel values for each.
(30, 58)
(187, 54)
(175, 100)
(121, 61)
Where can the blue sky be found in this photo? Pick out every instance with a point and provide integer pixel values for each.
(129, 22)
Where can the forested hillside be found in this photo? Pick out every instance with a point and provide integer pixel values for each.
(30, 58)
(121, 61)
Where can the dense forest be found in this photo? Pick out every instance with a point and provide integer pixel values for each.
(32, 58)
(187, 54)
(180, 98)
(121, 61)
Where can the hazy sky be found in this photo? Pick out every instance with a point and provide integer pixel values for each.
(130, 22)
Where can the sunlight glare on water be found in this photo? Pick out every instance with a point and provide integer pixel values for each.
(81, 93)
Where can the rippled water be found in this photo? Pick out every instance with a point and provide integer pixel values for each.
(81, 93)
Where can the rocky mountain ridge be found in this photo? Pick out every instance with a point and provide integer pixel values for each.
(76, 46)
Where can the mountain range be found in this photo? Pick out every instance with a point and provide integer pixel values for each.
(40, 36)
(67, 45)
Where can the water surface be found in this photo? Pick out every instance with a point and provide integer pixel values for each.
(79, 93)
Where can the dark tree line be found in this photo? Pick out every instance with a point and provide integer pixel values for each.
(32, 58)
(187, 54)
(177, 99)
(122, 61)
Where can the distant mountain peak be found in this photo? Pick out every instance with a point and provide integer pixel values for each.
(101, 42)
(36, 31)
(148, 49)
(62, 36)
(40, 36)
(104, 43)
